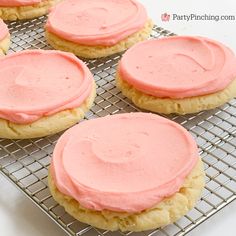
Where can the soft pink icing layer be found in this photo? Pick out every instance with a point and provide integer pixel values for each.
(17, 3)
(36, 83)
(126, 163)
(179, 67)
(3, 30)
(96, 22)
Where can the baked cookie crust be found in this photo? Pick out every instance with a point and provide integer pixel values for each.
(98, 51)
(166, 212)
(178, 106)
(4, 45)
(26, 12)
(47, 125)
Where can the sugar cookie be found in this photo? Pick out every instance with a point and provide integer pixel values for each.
(180, 74)
(24, 9)
(42, 93)
(133, 171)
(4, 38)
(97, 28)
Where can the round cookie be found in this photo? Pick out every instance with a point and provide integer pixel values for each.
(96, 174)
(42, 93)
(97, 28)
(4, 38)
(179, 74)
(24, 9)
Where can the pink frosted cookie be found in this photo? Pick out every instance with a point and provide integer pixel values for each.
(133, 171)
(180, 74)
(24, 9)
(97, 28)
(4, 38)
(42, 92)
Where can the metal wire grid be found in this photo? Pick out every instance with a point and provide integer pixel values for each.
(25, 162)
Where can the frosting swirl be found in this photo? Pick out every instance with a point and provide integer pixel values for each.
(18, 3)
(36, 83)
(106, 163)
(3, 30)
(96, 22)
(179, 67)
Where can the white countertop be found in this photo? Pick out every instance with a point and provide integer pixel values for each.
(19, 216)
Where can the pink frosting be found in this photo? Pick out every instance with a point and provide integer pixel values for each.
(179, 67)
(96, 22)
(125, 163)
(36, 83)
(3, 30)
(17, 3)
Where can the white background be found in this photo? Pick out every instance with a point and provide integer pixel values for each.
(18, 216)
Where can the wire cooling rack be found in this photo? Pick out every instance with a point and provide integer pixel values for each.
(25, 162)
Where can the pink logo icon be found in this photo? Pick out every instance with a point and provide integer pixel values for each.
(165, 17)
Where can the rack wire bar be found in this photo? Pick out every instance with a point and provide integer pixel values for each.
(25, 162)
